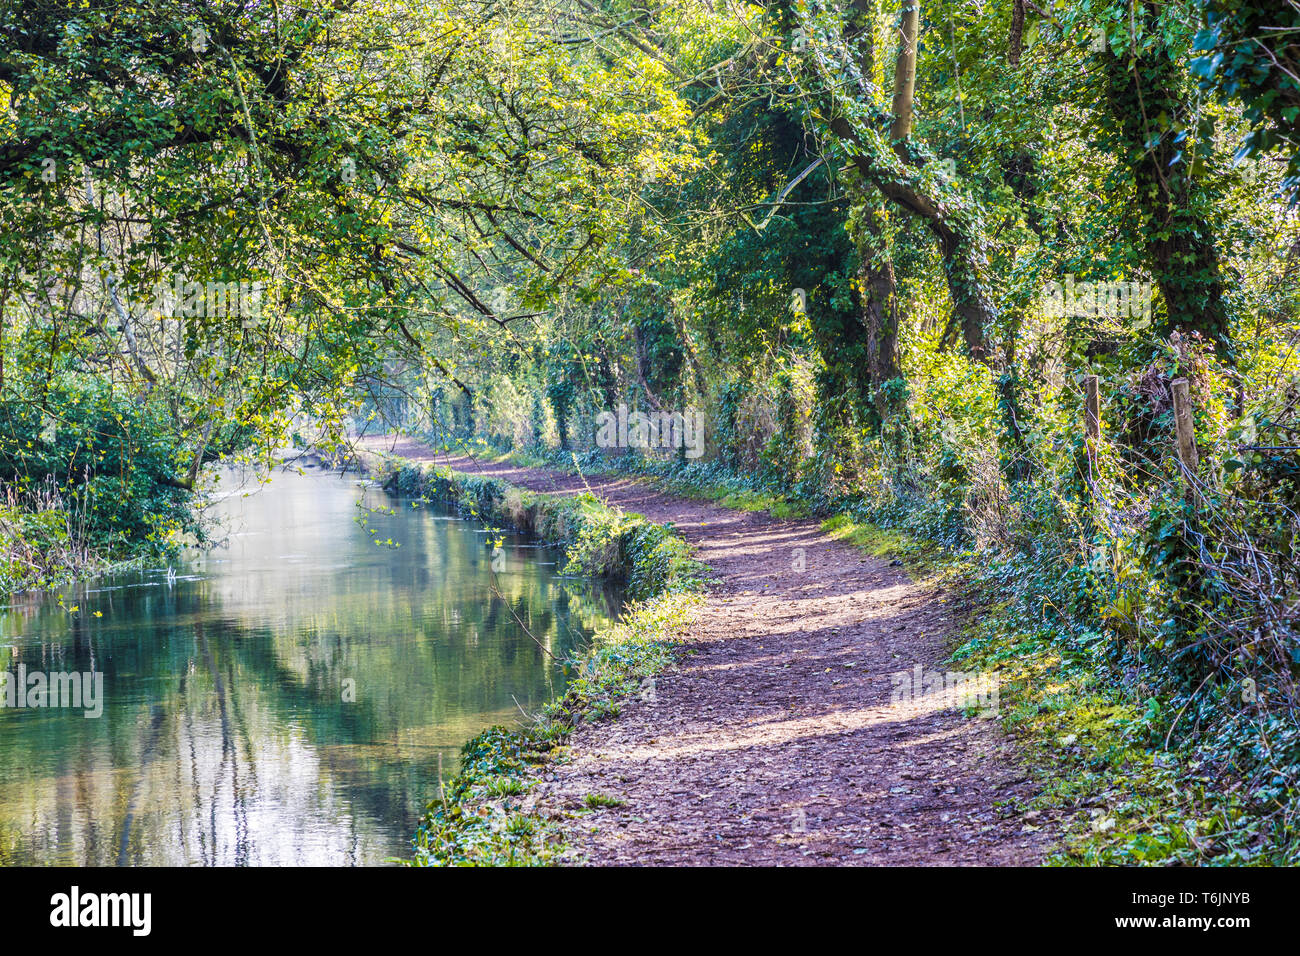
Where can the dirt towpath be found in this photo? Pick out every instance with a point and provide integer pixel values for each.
(773, 740)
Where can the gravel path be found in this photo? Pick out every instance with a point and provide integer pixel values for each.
(774, 740)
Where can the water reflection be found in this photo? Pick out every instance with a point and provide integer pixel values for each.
(285, 699)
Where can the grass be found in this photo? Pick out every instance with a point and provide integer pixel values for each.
(778, 506)
(598, 801)
(921, 559)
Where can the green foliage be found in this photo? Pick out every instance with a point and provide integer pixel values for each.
(88, 472)
(38, 542)
(489, 224)
(399, 183)
(1245, 53)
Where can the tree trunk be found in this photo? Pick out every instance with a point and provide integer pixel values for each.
(1015, 37)
(880, 316)
(878, 288)
(959, 244)
(1177, 236)
(905, 70)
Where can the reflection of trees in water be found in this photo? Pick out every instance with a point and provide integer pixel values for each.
(226, 739)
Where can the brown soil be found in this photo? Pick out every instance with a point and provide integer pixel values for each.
(773, 740)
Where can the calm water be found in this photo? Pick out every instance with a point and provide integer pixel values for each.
(285, 698)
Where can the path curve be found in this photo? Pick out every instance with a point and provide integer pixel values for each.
(773, 740)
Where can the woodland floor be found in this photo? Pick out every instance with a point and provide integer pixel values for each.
(772, 740)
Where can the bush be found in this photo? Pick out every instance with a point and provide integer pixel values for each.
(104, 462)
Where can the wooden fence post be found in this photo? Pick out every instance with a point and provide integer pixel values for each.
(1187, 453)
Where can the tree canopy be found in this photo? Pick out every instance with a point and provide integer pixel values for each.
(1016, 276)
